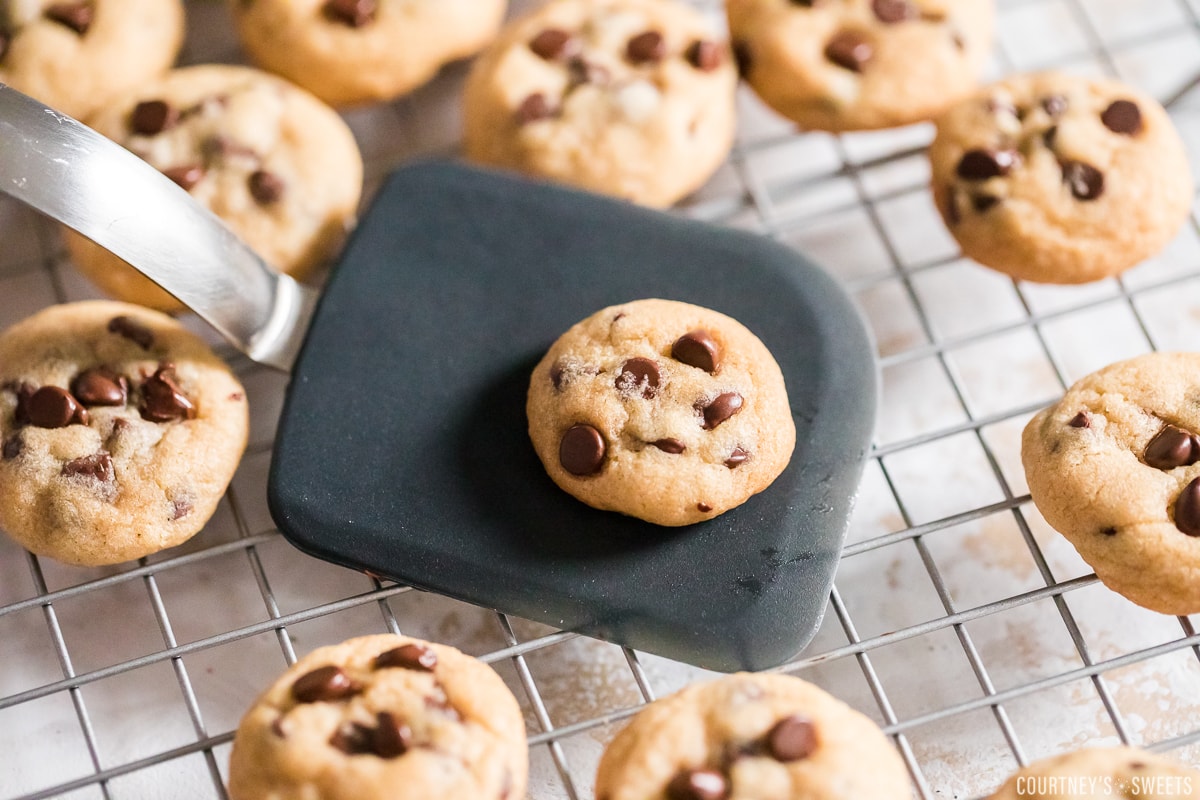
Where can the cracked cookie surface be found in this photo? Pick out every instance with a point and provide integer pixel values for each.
(661, 410)
(120, 431)
(1060, 179)
(1115, 468)
(767, 737)
(630, 98)
(1102, 772)
(279, 167)
(382, 716)
(842, 65)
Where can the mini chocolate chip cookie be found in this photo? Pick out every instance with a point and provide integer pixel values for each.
(120, 430)
(843, 65)
(349, 52)
(1060, 179)
(632, 98)
(768, 736)
(77, 55)
(382, 717)
(1115, 467)
(274, 163)
(1102, 772)
(661, 410)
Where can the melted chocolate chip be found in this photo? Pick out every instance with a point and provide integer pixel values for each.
(736, 458)
(180, 508)
(99, 386)
(1187, 509)
(185, 176)
(554, 44)
(646, 48)
(23, 391)
(582, 450)
(265, 187)
(98, 466)
(1172, 447)
(132, 330)
(580, 71)
(52, 407)
(1050, 137)
(533, 108)
(792, 739)
(391, 737)
(672, 446)
(698, 349)
(704, 55)
(1085, 181)
(556, 375)
(1054, 105)
(980, 165)
(408, 656)
(639, 374)
(1081, 420)
(151, 117)
(323, 685)
(1109, 532)
(890, 12)
(703, 508)
(353, 739)
(698, 784)
(983, 202)
(721, 408)
(163, 400)
(849, 50)
(1123, 117)
(355, 13)
(76, 16)
(13, 446)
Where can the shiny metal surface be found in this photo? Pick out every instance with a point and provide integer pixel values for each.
(85, 181)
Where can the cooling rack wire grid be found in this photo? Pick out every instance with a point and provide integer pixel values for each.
(959, 621)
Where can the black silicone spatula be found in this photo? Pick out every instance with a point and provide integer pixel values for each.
(402, 449)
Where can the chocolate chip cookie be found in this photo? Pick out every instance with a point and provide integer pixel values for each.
(274, 163)
(1060, 179)
(661, 410)
(77, 55)
(843, 65)
(1115, 467)
(120, 430)
(1102, 772)
(382, 717)
(762, 736)
(631, 98)
(349, 52)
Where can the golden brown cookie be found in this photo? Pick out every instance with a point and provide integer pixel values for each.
(120, 430)
(662, 410)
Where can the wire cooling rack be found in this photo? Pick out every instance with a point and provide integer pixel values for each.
(959, 621)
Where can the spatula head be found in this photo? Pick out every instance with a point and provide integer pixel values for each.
(403, 446)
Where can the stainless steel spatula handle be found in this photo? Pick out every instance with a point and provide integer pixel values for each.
(73, 174)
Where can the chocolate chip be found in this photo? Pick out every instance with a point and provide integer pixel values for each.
(52, 407)
(742, 58)
(672, 446)
(13, 446)
(698, 349)
(151, 117)
(1050, 137)
(721, 408)
(704, 508)
(533, 108)
(355, 13)
(180, 508)
(1086, 182)
(323, 685)
(582, 449)
(704, 55)
(186, 175)
(76, 16)
(892, 11)
(353, 739)
(641, 375)
(1123, 117)
(277, 727)
(265, 187)
(849, 50)
(163, 400)
(132, 330)
(792, 739)
(391, 737)
(1081, 420)
(983, 202)
(736, 458)
(980, 165)
(98, 466)
(1109, 532)
(1054, 105)
(580, 71)
(99, 386)
(698, 784)
(1187, 509)
(554, 44)
(1172, 447)
(408, 656)
(804, 3)
(646, 48)
(556, 375)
